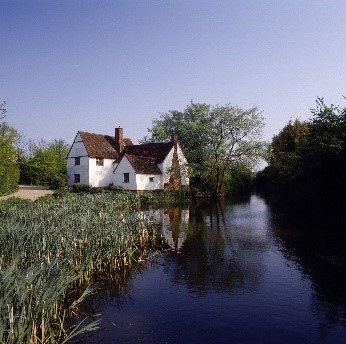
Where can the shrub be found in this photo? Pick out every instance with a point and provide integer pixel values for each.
(9, 178)
(81, 188)
(9, 170)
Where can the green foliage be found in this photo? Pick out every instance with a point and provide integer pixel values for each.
(9, 171)
(76, 188)
(278, 176)
(214, 139)
(307, 167)
(320, 169)
(45, 163)
(31, 307)
(164, 197)
(240, 180)
(62, 192)
(14, 201)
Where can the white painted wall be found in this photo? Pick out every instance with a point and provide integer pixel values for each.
(124, 166)
(144, 183)
(183, 163)
(167, 164)
(100, 176)
(78, 150)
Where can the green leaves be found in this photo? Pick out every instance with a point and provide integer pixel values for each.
(308, 161)
(213, 138)
(9, 171)
(45, 164)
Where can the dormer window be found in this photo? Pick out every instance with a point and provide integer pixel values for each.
(99, 161)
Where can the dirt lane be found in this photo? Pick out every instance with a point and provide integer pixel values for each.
(29, 192)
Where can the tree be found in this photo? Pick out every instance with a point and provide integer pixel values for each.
(283, 156)
(306, 171)
(320, 169)
(9, 171)
(45, 163)
(214, 139)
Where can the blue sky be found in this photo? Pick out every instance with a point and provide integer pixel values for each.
(74, 65)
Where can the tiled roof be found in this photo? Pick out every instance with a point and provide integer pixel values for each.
(155, 151)
(101, 146)
(144, 158)
(143, 165)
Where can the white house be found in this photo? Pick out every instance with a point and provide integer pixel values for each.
(100, 160)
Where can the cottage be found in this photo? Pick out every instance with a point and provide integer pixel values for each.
(100, 160)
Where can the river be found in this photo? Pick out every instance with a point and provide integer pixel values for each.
(231, 273)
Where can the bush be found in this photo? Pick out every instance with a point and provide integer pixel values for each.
(81, 188)
(9, 178)
(62, 192)
(14, 201)
(58, 181)
(9, 170)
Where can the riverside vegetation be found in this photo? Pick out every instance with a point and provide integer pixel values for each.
(306, 167)
(53, 252)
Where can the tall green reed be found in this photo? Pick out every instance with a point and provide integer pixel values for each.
(68, 242)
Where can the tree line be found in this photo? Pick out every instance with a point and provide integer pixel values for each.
(29, 162)
(222, 144)
(307, 164)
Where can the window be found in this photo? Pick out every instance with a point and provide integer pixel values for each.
(151, 179)
(77, 161)
(99, 161)
(126, 177)
(77, 178)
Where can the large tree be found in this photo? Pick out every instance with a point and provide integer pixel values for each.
(214, 140)
(320, 171)
(9, 171)
(284, 153)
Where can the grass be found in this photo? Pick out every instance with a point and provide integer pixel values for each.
(53, 249)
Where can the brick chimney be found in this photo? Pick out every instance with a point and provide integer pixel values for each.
(174, 139)
(119, 139)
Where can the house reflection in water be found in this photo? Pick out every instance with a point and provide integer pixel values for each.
(173, 223)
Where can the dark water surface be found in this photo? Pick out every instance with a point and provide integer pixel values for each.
(234, 274)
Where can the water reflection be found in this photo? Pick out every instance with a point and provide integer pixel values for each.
(214, 254)
(233, 273)
(219, 247)
(319, 252)
(173, 223)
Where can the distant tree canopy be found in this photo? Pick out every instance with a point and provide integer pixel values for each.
(9, 171)
(308, 161)
(219, 142)
(284, 152)
(29, 162)
(44, 163)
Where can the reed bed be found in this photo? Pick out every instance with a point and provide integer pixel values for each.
(50, 249)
